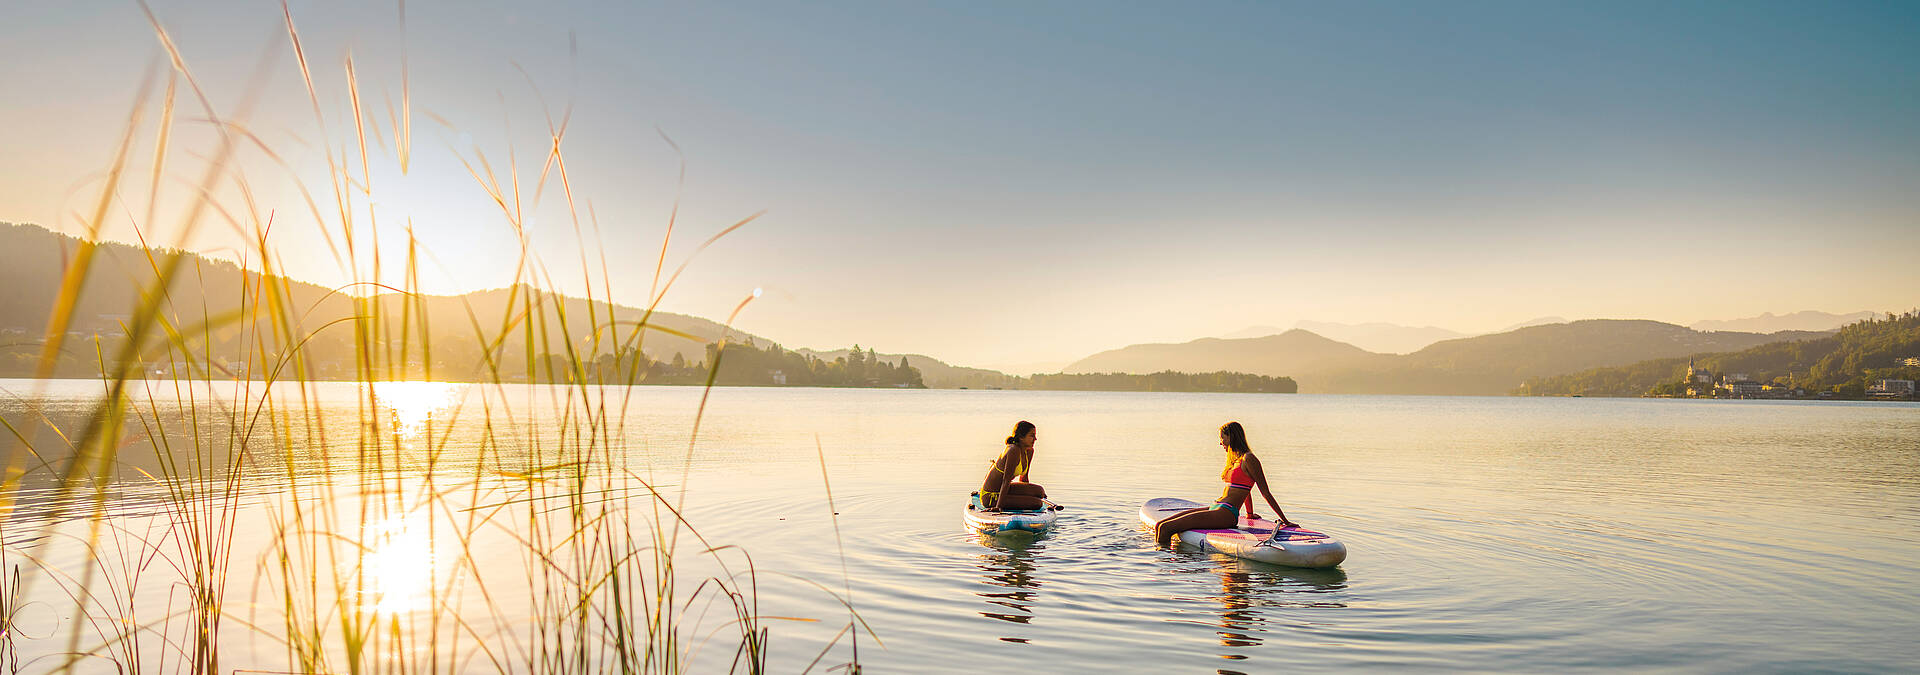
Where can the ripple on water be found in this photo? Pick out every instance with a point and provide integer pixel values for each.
(1485, 534)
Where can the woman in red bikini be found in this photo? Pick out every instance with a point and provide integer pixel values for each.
(1241, 475)
(1001, 490)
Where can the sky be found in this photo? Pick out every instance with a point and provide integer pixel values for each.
(1017, 185)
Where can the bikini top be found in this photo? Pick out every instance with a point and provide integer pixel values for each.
(1237, 477)
(1018, 470)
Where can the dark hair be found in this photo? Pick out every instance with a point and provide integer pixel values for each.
(1236, 437)
(1019, 430)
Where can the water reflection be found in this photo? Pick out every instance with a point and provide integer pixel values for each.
(1240, 624)
(398, 570)
(1251, 592)
(411, 406)
(1009, 569)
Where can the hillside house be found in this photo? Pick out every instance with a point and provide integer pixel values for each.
(1698, 376)
(1891, 388)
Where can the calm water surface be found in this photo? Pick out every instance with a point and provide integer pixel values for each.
(1484, 533)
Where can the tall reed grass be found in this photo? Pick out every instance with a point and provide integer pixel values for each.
(500, 527)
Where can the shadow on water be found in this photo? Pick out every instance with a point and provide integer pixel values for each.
(1008, 569)
(1250, 594)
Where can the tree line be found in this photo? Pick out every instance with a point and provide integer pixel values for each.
(742, 363)
(739, 364)
(773, 365)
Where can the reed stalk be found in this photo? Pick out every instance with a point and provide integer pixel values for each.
(546, 548)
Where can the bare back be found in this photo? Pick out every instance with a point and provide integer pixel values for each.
(997, 474)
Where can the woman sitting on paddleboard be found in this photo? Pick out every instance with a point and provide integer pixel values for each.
(1241, 475)
(1006, 486)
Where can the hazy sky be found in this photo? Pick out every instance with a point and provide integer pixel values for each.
(1015, 184)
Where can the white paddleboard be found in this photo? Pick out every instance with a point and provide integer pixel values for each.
(1034, 522)
(1252, 539)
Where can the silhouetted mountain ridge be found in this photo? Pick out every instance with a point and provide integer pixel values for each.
(1288, 353)
(1483, 365)
(1380, 337)
(1768, 322)
(1488, 364)
(1383, 338)
(36, 258)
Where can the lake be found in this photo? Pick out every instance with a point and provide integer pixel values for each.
(1484, 533)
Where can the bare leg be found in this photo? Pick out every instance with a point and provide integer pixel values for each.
(1192, 519)
(1159, 526)
(1020, 503)
(1027, 489)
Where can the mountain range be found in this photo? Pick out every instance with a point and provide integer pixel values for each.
(1389, 338)
(1295, 351)
(462, 325)
(36, 259)
(1769, 323)
(1385, 338)
(1484, 365)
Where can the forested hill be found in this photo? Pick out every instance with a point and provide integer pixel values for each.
(1492, 365)
(1484, 365)
(1288, 354)
(533, 335)
(1844, 362)
(33, 259)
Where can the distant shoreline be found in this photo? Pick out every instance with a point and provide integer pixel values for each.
(1112, 391)
(644, 384)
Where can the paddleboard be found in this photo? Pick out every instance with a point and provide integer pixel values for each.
(1252, 539)
(1035, 522)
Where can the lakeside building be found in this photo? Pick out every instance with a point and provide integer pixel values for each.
(1698, 376)
(1891, 389)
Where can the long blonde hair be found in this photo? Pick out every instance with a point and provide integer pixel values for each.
(1237, 449)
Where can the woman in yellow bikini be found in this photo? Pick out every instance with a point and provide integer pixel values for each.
(1006, 486)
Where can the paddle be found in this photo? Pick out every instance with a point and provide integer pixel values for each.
(1296, 534)
(1052, 506)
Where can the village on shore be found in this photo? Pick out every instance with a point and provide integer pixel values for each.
(1704, 383)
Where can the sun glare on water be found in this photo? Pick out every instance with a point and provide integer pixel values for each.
(397, 570)
(397, 566)
(414, 404)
